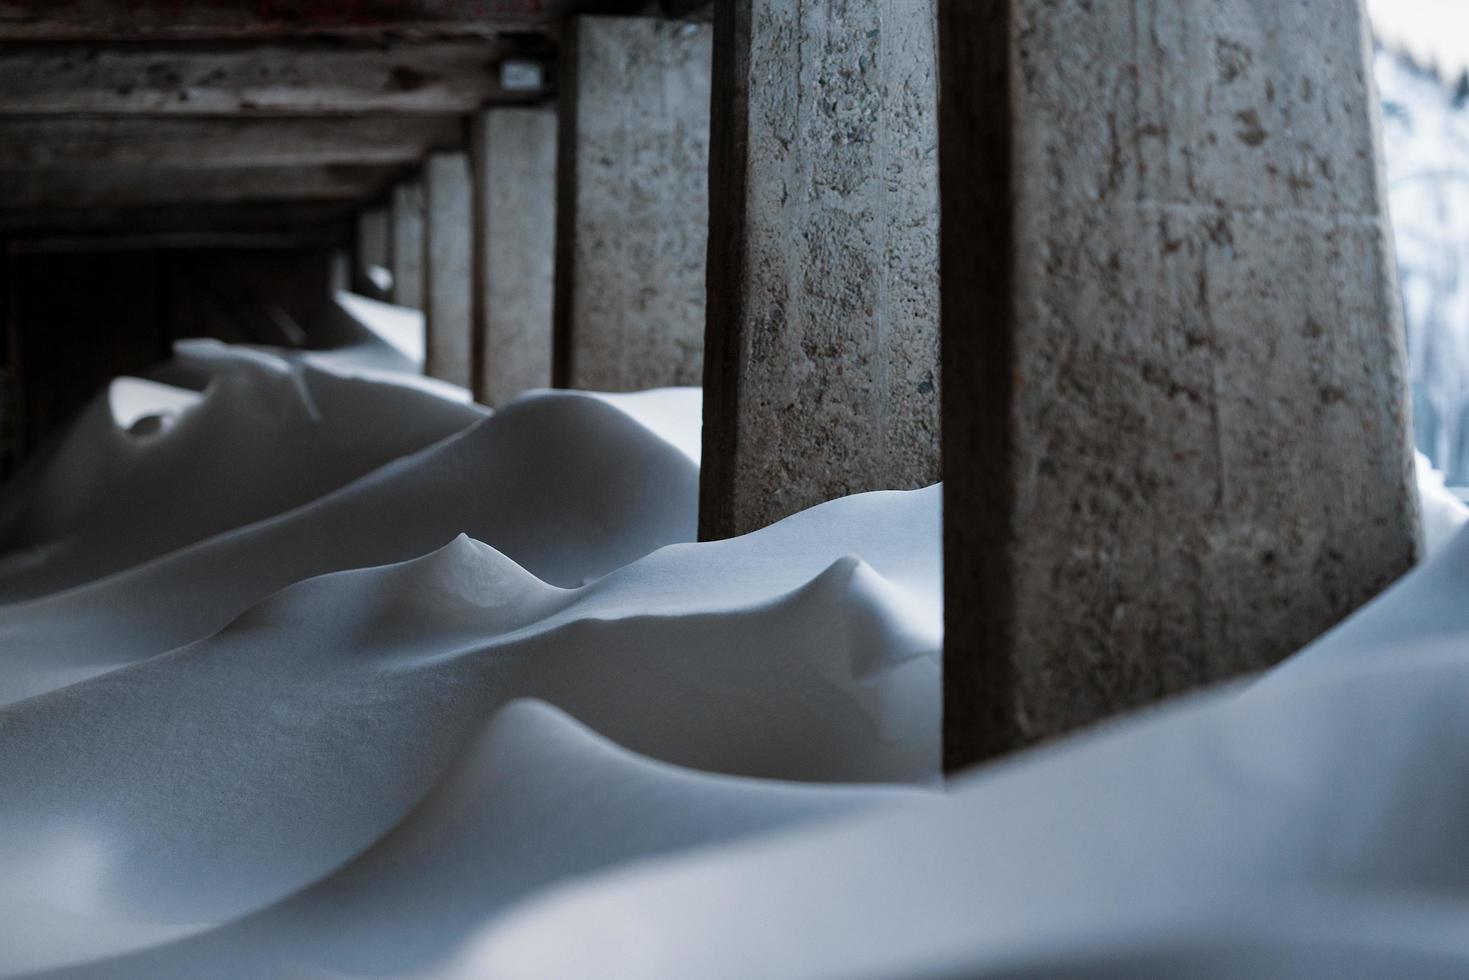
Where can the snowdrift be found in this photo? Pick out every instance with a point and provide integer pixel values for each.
(566, 485)
(233, 771)
(266, 435)
(509, 818)
(482, 708)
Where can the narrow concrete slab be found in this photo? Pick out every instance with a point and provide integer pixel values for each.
(515, 249)
(1175, 413)
(406, 244)
(821, 374)
(448, 319)
(633, 203)
(371, 250)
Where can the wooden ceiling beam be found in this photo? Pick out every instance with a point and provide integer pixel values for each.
(262, 217)
(291, 78)
(105, 142)
(256, 19)
(319, 236)
(117, 187)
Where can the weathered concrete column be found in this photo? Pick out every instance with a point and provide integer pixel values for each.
(515, 249)
(633, 203)
(406, 251)
(447, 261)
(1175, 424)
(821, 369)
(371, 251)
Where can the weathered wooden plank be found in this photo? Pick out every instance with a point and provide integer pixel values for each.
(98, 142)
(88, 19)
(144, 186)
(294, 77)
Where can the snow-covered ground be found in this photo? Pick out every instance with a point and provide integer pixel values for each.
(487, 710)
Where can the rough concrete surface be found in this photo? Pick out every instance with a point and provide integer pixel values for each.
(515, 215)
(1175, 423)
(372, 248)
(822, 373)
(447, 274)
(406, 244)
(633, 203)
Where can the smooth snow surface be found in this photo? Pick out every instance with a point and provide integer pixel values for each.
(563, 484)
(267, 435)
(484, 709)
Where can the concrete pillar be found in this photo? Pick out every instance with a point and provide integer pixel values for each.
(1175, 417)
(821, 371)
(633, 203)
(372, 250)
(406, 252)
(447, 261)
(515, 249)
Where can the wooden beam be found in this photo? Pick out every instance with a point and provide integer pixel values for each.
(278, 78)
(98, 142)
(172, 19)
(272, 217)
(147, 186)
(320, 236)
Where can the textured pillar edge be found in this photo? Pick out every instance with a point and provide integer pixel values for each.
(723, 352)
(566, 177)
(974, 190)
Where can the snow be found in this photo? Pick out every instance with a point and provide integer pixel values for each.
(1308, 824)
(1443, 513)
(267, 435)
(563, 484)
(1426, 136)
(324, 673)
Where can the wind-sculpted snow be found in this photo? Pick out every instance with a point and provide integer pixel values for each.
(213, 780)
(1303, 827)
(487, 710)
(510, 817)
(566, 485)
(266, 436)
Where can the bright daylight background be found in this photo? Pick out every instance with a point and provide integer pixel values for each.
(1422, 67)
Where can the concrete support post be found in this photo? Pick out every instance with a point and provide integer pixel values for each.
(372, 250)
(821, 359)
(1175, 416)
(406, 251)
(633, 203)
(447, 261)
(515, 249)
